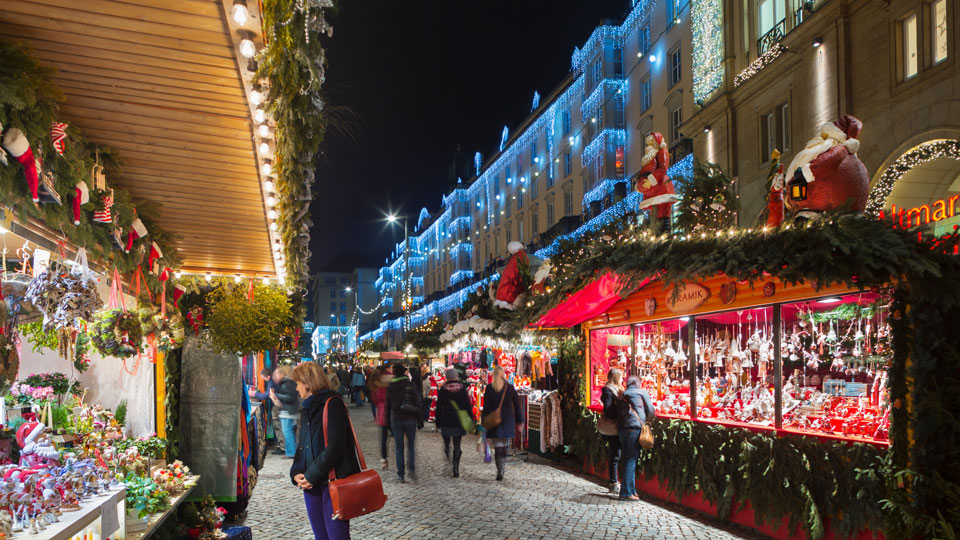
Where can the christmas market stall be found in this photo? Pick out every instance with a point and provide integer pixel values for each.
(800, 366)
(154, 188)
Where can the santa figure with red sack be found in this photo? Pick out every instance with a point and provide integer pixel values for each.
(514, 280)
(827, 174)
(652, 180)
(36, 449)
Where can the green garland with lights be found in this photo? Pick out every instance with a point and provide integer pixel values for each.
(293, 64)
(923, 153)
(29, 101)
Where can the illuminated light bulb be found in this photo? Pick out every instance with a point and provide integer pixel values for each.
(264, 130)
(536, 160)
(652, 58)
(177, 274)
(256, 97)
(272, 214)
(247, 48)
(268, 185)
(570, 139)
(236, 278)
(273, 226)
(239, 12)
(264, 147)
(558, 160)
(510, 180)
(593, 119)
(266, 168)
(208, 277)
(498, 196)
(266, 280)
(259, 116)
(523, 190)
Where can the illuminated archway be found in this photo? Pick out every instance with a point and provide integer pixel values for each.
(918, 155)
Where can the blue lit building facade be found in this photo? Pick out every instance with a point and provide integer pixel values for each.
(564, 171)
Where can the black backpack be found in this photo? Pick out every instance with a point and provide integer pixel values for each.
(409, 403)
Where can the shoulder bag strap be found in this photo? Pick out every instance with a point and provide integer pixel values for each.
(356, 443)
(632, 409)
(503, 396)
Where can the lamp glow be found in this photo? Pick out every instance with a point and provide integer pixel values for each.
(247, 48)
(273, 226)
(831, 300)
(266, 280)
(266, 168)
(272, 214)
(652, 58)
(236, 278)
(271, 201)
(239, 12)
(264, 130)
(256, 97)
(259, 116)
(268, 185)
(264, 147)
(208, 277)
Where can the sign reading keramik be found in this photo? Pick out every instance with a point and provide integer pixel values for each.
(687, 297)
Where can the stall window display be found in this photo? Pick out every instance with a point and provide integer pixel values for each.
(835, 352)
(735, 367)
(609, 348)
(662, 363)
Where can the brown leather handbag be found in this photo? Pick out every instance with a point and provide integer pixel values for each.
(493, 419)
(357, 494)
(646, 438)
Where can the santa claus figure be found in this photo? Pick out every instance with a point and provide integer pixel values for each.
(827, 174)
(36, 448)
(652, 180)
(775, 199)
(513, 286)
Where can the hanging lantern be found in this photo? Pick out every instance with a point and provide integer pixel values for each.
(798, 187)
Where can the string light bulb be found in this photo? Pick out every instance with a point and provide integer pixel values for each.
(268, 185)
(264, 147)
(273, 225)
(248, 49)
(237, 278)
(263, 130)
(239, 12)
(266, 168)
(272, 214)
(208, 277)
(259, 116)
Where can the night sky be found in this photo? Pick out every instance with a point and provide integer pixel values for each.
(423, 77)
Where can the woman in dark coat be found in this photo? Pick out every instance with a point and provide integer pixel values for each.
(633, 410)
(453, 392)
(499, 391)
(316, 455)
(610, 397)
(404, 423)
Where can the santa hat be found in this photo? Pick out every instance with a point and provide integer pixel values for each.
(656, 138)
(514, 247)
(844, 131)
(28, 432)
(178, 291)
(155, 254)
(81, 197)
(137, 230)
(19, 147)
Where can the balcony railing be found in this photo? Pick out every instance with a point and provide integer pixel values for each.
(772, 36)
(681, 149)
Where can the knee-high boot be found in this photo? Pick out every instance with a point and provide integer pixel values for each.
(456, 463)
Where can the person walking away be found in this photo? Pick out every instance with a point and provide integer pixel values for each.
(343, 376)
(333, 378)
(273, 419)
(403, 402)
(373, 379)
(610, 397)
(379, 381)
(451, 397)
(316, 456)
(503, 396)
(358, 382)
(425, 392)
(285, 397)
(633, 410)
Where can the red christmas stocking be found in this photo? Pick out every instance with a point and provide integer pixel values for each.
(81, 197)
(19, 147)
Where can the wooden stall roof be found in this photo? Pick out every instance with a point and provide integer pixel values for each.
(159, 82)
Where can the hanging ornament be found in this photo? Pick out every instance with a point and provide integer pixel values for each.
(81, 197)
(137, 231)
(152, 258)
(719, 202)
(15, 142)
(58, 136)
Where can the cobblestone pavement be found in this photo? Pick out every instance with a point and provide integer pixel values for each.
(537, 500)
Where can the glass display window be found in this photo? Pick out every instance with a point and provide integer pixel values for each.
(661, 361)
(609, 348)
(835, 352)
(735, 361)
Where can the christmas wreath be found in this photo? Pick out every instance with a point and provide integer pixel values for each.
(117, 333)
(167, 330)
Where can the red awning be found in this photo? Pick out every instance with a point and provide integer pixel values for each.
(587, 303)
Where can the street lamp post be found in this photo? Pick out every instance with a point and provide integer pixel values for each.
(392, 218)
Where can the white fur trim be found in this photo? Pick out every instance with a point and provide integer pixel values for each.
(853, 145)
(807, 173)
(814, 148)
(155, 248)
(138, 228)
(514, 247)
(659, 199)
(663, 145)
(652, 179)
(16, 142)
(829, 130)
(84, 192)
(808, 214)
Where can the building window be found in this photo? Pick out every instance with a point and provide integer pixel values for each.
(938, 18)
(774, 131)
(496, 217)
(910, 61)
(520, 199)
(333, 306)
(343, 320)
(618, 62)
(597, 72)
(567, 163)
(565, 118)
(533, 153)
(343, 293)
(534, 186)
(343, 306)
(598, 168)
(550, 220)
(535, 223)
(770, 14)
(506, 234)
(618, 163)
(549, 181)
(333, 318)
(509, 176)
(330, 280)
(643, 41)
(587, 184)
(508, 208)
(496, 244)
(333, 293)
(675, 72)
(676, 119)
(344, 280)
(478, 200)
(496, 185)
(646, 97)
(568, 203)
(520, 230)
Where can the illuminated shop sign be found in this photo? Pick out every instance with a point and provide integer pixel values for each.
(924, 214)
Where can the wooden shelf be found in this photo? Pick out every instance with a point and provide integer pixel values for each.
(157, 519)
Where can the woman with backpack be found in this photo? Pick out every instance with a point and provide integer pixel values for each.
(610, 398)
(633, 410)
(501, 404)
(451, 399)
(403, 403)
